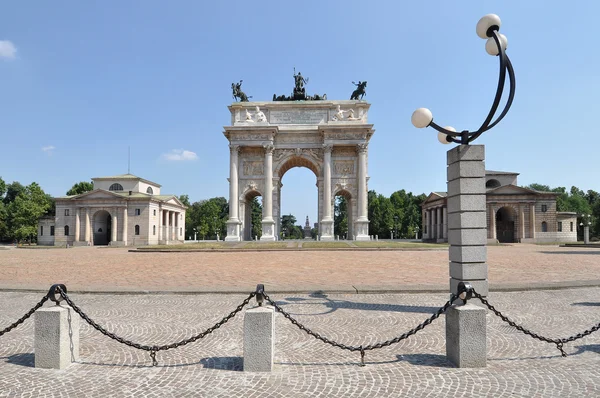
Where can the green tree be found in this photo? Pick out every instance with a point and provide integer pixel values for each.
(25, 210)
(256, 217)
(185, 199)
(2, 188)
(538, 187)
(287, 226)
(340, 216)
(12, 191)
(80, 187)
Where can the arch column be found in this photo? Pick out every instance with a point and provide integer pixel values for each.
(233, 224)
(362, 223)
(327, 221)
(268, 224)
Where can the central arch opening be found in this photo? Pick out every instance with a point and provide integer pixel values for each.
(505, 224)
(342, 215)
(298, 198)
(102, 228)
(251, 216)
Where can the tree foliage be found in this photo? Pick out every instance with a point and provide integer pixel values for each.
(399, 214)
(206, 218)
(80, 187)
(25, 210)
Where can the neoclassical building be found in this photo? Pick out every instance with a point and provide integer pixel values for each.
(122, 210)
(266, 139)
(514, 214)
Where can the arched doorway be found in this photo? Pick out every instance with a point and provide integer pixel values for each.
(301, 163)
(342, 215)
(505, 224)
(251, 215)
(102, 228)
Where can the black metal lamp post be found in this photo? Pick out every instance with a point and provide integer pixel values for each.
(487, 28)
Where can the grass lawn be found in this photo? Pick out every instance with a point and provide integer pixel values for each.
(400, 245)
(191, 246)
(265, 245)
(39, 247)
(325, 245)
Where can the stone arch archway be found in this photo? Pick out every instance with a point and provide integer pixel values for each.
(505, 218)
(102, 228)
(328, 137)
(350, 209)
(246, 212)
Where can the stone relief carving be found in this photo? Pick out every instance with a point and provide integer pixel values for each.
(344, 151)
(347, 136)
(343, 167)
(269, 148)
(249, 137)
(260, 116)
(295, 138)
(252, 168)
(314, 153)
(338, 116)
(327, 148)
(362, 148)
(252, 186)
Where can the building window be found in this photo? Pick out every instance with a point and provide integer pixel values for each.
(544, 226)
(154, 211)
(41, 230)
(492, 184)
(116, 187)
(138, 212)
(52, 230)
(66, 212)
(66, 230)
(154, 230)
(571, 226)
(544, 208)
(149, 190)
(137, 229)
(560, 226)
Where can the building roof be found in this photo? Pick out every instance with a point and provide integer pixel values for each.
(493, 172)
(125, 194)
(126, 177)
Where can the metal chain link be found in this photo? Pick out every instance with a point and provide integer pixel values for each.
(362, 348)
(153, 349)
(24, 317)
(559, 342)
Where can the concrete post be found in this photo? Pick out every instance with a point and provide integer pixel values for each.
(467, 236)
(259, 334)
(56, 343)
(466, 336)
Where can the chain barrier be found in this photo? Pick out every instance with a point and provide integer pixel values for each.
(559, 342)
(24, 317)
(361, 348)
(153, 349)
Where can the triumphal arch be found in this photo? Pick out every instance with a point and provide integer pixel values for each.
(266, 139)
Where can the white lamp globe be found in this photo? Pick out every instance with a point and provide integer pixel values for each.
(443, 138)
(486, 22)
(492, 48)
(421, 118)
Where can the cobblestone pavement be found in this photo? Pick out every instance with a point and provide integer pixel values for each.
(110, 269)
(518, 366)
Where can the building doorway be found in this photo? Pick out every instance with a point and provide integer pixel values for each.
(505, 225)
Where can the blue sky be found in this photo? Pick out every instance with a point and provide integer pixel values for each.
(80, 82)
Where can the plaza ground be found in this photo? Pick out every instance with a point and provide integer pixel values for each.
(518, 366)
(88, 269)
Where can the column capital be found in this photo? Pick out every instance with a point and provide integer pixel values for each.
(269, 148)
(327, 148)
(362, 148)
(235, 148)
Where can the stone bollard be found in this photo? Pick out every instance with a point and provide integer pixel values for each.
(56, 343)
(466, 336)
(377, 238)
(259, 328)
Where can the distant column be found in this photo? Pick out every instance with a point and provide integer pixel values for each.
(327, 221)
(532, 222)
(362, 223)
(439, 222)
(114, 226)
(125, 226)
(87, 224)
(444, 223)
(268, 224)
(492, 216)
(77, 224)
(170, 226)
(161, 227)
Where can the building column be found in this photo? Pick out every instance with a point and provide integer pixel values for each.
(445, 223)
(114, 226)
(429, 224)
(438, 217)
(233, 224)
(521, 222)
(327, 221)
(160, 225)
(362, 223)
(169, 223)
(125, 226)
(77, 223)
(532, 220)
(492, 216)
(87, 224)
(268, 224)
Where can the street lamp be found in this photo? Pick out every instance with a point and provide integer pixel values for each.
(195, 234)
(487, 28)
(586, 221)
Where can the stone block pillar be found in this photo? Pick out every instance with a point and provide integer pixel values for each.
(259, 334)
(466, 336)
(56, 337)
(467, 235)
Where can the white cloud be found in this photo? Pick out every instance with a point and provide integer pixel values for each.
(179, 155)
(7, 49)
(48, 149)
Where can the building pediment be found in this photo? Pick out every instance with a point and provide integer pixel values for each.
(96, 194)
(434, 196)
(515, 190)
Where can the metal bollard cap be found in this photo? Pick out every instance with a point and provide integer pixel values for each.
(54, 294)
(465, 291)
(260, 294)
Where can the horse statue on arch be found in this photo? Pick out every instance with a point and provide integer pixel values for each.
(236, 88)
(360, 90)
